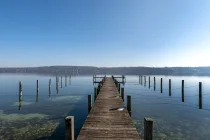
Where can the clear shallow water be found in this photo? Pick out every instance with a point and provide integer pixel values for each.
(45, 118)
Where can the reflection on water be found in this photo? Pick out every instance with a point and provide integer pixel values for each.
(42, 113)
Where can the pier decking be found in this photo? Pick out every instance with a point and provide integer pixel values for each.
(105, 124)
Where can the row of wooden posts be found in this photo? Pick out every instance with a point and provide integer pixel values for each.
(161, 88)
(37, 88)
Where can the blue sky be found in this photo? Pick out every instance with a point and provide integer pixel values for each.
(104, 33)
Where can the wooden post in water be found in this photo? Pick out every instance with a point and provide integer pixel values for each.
(161, 85)
(37, 90)
(200, 95)
(182, 90)
(49, 87)
(61, 82)
(20, 94)
(93, 79)
(129, 104)
(37, 86)
(149, 81)
(69, 126)
(145, 81)
(119, 88)
(57, 86)
(89, 103)
(122, 92)
(70, 80)
(148, 129)
(154, 83)
(139, 79)
(95, 93)
(20, 91)
(169, 87)
(65, 81)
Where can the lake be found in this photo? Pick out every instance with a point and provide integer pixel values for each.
(42, 116)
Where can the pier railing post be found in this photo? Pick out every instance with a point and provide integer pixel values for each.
(69, 126)
(129, 104)
(148, 129)
(200, 95)
(182, 90)
(89, 103)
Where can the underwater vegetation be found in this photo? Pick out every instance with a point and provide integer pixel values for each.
(25, 126)
(66, 98)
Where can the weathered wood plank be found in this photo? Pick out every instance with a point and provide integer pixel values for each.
(105, 124)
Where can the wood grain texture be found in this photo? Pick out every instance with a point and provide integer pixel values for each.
(105, 124)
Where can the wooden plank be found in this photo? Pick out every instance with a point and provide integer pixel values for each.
(105, 124)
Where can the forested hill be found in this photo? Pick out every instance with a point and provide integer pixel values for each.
(88, 70)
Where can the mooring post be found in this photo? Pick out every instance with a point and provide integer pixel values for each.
(65, 81)
(20, 95)
(69, 125)
(93, 78)
(169, 87)
(145, 81)
(182, 90)
(161, 85)
(89, 103)
(95, 91)
(200, 95)
(61, 82)
(49, 87)
(119, 88)
(139, 79)
(148, 129)
(122, 92)
(129, 104)
(70, 80)
(37, 86)
(37, 90)
(20, 91)
(149, 81)
(154, 83)
(95, 94)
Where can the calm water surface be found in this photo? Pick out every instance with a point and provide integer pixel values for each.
(43, 117)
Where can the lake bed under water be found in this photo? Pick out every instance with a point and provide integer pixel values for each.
(43, 117)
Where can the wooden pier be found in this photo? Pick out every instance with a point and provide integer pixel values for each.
(104, 121)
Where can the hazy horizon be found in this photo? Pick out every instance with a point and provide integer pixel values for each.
(104, 67)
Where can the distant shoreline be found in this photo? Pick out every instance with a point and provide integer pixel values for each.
(90, 70)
